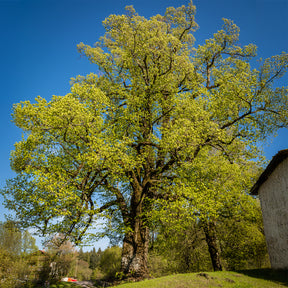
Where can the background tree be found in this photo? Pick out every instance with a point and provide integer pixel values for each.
(28, 244)
(110, 262)
(95, 258)
(88, 264)
(16, 248)
(121, 139)
(82, 271)
(59, 261)
(242, 240)
(181, 245)
(179, 248)
(215, 188)
(10, 238)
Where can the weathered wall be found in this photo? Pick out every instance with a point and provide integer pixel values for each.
(273, 195)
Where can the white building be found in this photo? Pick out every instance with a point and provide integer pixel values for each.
(272, 188)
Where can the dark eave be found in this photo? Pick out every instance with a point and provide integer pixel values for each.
(276, 160)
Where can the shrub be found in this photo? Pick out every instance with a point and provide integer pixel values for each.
(110, 261)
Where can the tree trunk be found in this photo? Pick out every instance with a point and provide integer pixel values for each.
(211, 240)
(135, 253)
(136, 240)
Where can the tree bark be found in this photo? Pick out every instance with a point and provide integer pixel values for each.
(211, 240)
(135, 253)
(136, 240)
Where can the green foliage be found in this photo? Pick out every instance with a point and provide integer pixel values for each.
(28, 243)
(59, 260)
(158, 265)
(88, 265)
(14, 270)
(16, 248)
(110, 262)
(95, 259)
(8, 276)
(242, 240)
(82, 270)
(10, 238)
(91, 257)
(182, 246)
(97, 274)
(179, 251)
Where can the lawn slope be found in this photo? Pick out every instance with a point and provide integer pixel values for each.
(210, 279)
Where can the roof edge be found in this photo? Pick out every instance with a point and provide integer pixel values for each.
(276, 160)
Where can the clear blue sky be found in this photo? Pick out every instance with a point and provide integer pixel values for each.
(39, 55)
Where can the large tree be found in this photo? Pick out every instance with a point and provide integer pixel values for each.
(115, 143)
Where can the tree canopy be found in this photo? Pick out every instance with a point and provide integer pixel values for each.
(131, 133)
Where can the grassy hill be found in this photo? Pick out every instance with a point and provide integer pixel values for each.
(251, 279)
(264, 278)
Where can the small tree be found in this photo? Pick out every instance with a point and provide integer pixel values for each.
(110, 262)
(179, 248)
(8, 273)
(95, 258)
(82, 270)
(59, 260)
(28, 244)
(16, 248)
(242, 239)
(10, 238)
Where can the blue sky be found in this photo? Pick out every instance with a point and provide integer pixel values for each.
(39, 55)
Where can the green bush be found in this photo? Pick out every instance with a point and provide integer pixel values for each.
(110, 261)
(13, 270)
(97, 274)
(159, 265)
(83, 270)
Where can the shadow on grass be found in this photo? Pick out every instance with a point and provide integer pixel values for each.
(280, 276)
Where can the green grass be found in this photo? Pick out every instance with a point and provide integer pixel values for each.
(213, 280)
(262, 278)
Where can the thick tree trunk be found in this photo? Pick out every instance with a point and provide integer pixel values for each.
(136, 240)
(135, 253)
(211, 240)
